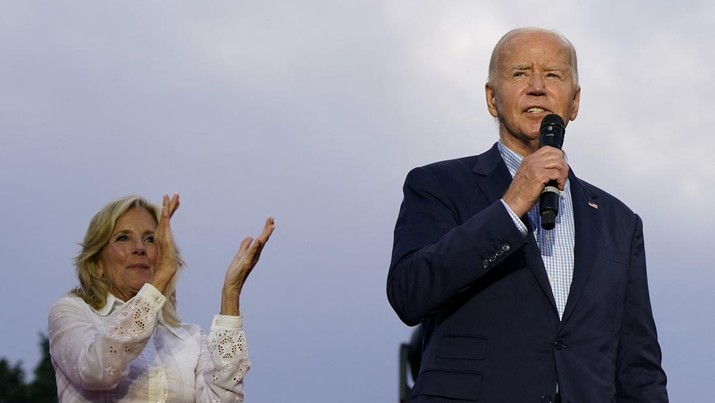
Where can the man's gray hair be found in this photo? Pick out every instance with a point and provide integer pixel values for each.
(494, 61)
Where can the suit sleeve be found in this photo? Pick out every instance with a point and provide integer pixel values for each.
(438, 252)
(640, 377)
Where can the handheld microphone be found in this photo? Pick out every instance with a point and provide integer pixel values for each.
(551, 134)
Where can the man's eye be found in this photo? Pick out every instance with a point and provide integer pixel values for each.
(519, 74)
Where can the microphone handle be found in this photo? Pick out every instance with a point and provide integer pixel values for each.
(549, 205)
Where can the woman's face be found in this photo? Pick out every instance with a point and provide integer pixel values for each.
(127, 259)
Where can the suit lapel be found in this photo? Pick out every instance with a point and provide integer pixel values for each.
(493, 178)
(492, 175)
(587, 222)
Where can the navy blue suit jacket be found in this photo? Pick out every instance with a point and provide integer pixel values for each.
(462, 269)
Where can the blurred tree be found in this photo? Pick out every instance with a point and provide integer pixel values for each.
(43, 387)
(12, 383)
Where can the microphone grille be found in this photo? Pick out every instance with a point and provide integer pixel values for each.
(552, 131)
(552, 120)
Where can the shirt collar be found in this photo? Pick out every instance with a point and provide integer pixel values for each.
(511, 159)
(109, 306)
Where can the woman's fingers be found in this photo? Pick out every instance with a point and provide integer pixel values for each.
(248, 254)
(268, 228)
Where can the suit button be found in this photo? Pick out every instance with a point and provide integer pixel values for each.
(545, 399)
(559, 345)
(485, 264)
(505, 247)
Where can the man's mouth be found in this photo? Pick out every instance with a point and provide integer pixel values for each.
(535, 110)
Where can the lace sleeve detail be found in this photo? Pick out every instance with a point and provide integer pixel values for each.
(129, 328)
(94, 351)
(228, 363)
(227, 343)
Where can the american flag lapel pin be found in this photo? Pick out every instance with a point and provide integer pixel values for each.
(592, 204)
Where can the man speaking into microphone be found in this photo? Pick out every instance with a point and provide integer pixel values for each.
(529, 282)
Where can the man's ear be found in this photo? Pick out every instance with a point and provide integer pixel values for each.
(491, 99)
(575, 104)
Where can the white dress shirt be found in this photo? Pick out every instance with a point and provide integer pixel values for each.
(125, 352)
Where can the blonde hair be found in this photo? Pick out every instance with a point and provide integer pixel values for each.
(93, 287)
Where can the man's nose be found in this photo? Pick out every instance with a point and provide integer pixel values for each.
(536, 85)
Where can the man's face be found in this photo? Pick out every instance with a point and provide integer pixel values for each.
(534, 79)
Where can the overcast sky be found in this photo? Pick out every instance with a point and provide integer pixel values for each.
(313, 112)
